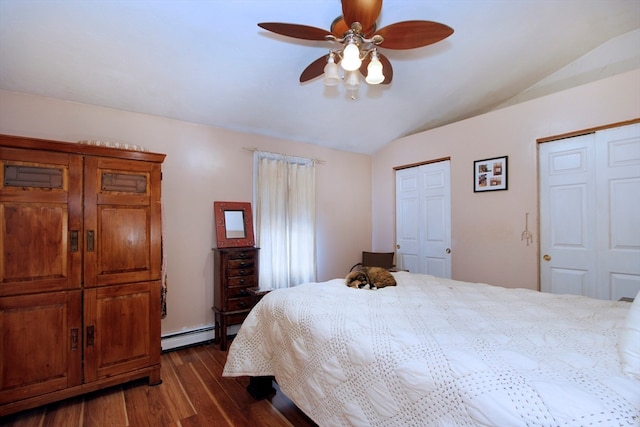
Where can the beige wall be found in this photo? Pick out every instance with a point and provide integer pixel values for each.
(487, 227)
(205, 164)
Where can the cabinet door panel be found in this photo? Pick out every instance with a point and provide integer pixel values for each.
(122, 221)
(40, 221)
(122, 331)
(41, 340)
(124, 239)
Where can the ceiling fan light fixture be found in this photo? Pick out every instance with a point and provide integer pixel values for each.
(351, 80)
(357, 34)
(351, 57)
(374, 70)
(331, 76)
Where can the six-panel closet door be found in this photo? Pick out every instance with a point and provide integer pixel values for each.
(590, 214)
(423, 219)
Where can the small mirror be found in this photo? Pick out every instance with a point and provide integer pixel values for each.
(234, 224)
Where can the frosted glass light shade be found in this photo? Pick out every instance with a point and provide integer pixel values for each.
(331, 76)
(352, 81)
(374, 72)
(351, 57)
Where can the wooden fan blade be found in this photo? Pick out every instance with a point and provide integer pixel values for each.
(315, 69)
(387, 69)
(363, 11)
(413, 34)
(297, 31)
(339, 27)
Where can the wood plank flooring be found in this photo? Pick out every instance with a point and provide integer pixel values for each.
(193, 393)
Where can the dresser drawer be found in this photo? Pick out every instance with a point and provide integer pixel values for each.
(241, 281)
(238, 292)
(239, 254)
(242, 303)
(240, 272)
(240, 263)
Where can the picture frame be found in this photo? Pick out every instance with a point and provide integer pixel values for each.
(490, 174)
(234, 224)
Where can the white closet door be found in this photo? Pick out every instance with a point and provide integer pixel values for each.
(568, 216)
(423, 219)
(590, 214)
(618, 199)
(407, 214)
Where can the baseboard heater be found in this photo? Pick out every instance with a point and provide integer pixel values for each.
(187, 338)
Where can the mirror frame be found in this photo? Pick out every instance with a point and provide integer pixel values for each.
(219, 208)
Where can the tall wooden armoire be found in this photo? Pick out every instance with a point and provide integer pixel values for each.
(80, 269)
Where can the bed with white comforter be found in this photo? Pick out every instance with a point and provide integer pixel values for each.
(440, 352)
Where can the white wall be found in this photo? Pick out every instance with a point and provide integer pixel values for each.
(487, 227)
(206, 164)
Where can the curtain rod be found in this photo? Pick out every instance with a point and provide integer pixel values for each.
(314, 160)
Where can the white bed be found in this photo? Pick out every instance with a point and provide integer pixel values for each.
(440, 352)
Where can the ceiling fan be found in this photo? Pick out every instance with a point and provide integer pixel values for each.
(358, 38)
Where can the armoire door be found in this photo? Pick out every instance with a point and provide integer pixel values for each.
(590, 214)
(122, 221)
(122, 215)
(40, 221)
(122, 332)
(41, 338)
(40, 272)
(423, 219)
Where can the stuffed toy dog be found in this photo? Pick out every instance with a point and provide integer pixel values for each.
(375, 277)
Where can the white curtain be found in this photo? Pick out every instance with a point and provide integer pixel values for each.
(285, 219)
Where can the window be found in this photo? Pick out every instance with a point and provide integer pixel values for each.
(284, 193)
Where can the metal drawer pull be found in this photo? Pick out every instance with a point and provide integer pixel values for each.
(74, 338)
(90, 238)
(91, 335)
(74, 240)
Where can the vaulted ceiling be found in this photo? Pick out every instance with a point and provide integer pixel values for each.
(208, 62)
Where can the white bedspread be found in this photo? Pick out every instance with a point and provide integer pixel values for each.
(440, 352)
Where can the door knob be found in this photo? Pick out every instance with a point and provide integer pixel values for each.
(448, 250)
(546, 258)
(397, 246)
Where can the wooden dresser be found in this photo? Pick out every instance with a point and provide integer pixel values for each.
(80, 241)
(235, 271)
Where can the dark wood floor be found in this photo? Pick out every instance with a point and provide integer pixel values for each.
(193, 393)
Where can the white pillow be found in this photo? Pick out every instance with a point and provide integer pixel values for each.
(629, 340)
